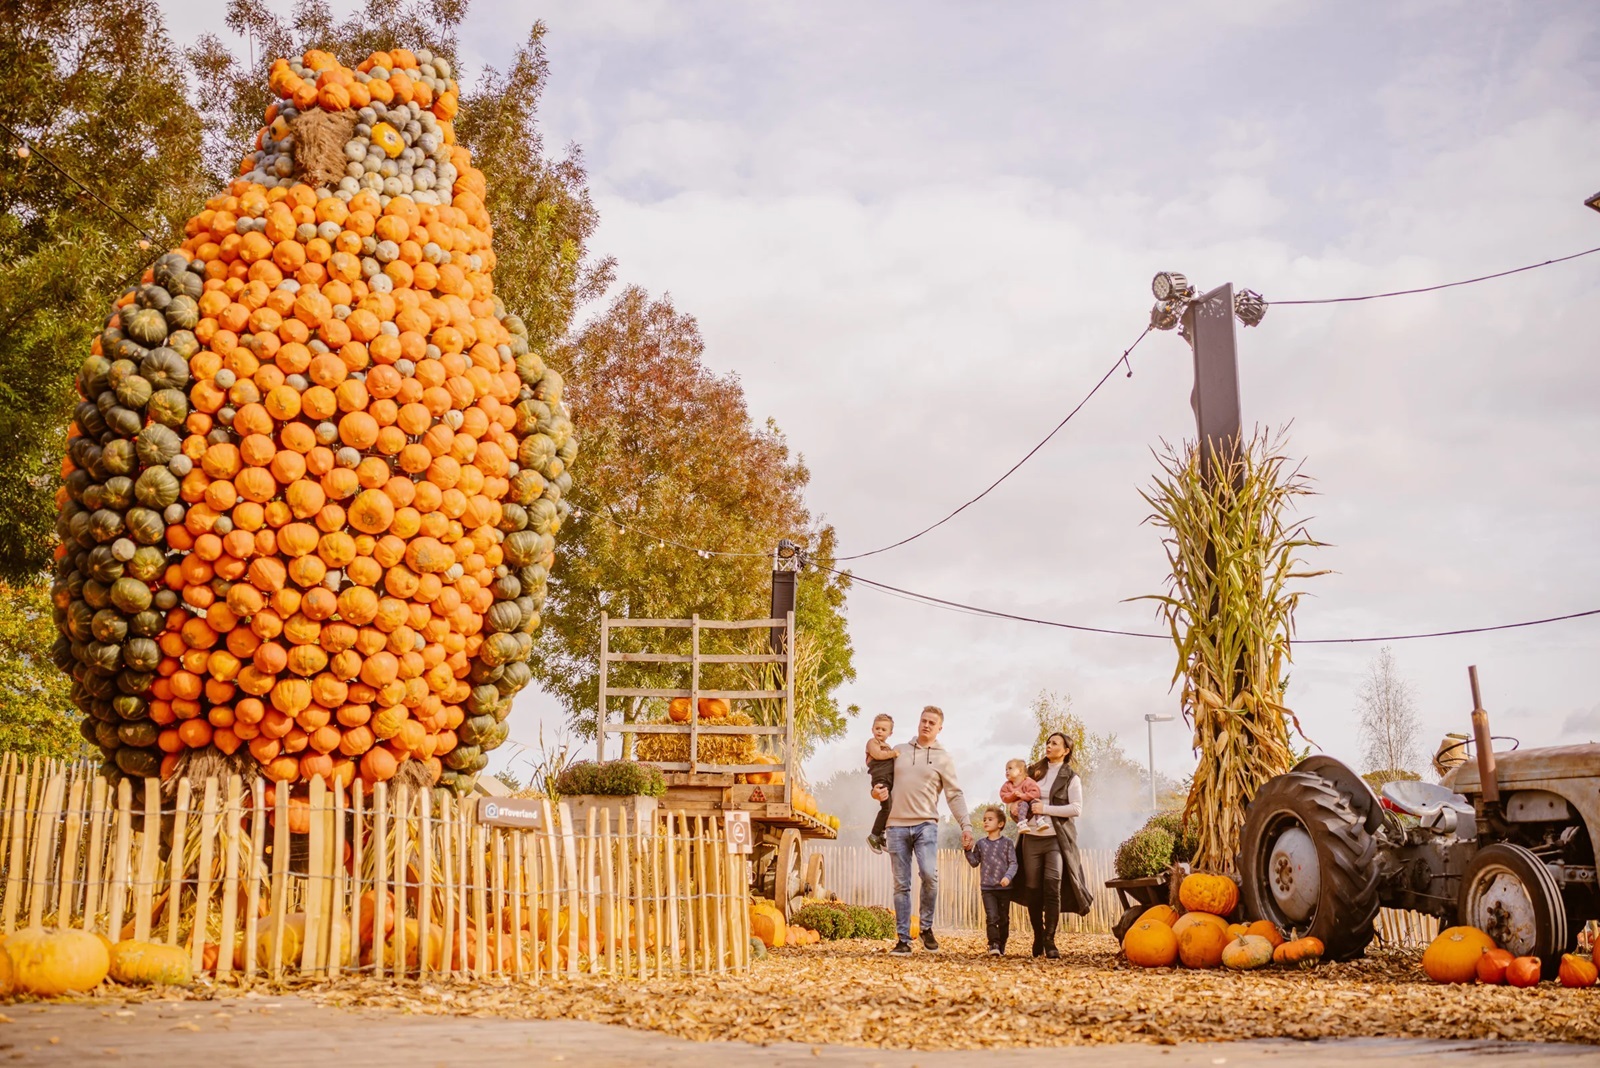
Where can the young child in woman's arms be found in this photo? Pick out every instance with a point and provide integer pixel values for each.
(1019, 791)
(995, 857)
(880, 765)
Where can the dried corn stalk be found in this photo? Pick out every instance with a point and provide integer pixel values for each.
(1233, 552)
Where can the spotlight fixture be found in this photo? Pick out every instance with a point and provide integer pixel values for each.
(1165, 314)
(1593, 202)
(1170, 285)
(1249, 306)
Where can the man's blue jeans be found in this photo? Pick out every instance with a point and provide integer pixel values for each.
(922, 840)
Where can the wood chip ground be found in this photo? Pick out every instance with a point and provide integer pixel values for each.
(854, 993)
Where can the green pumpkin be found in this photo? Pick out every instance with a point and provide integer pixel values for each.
(105, 525)
(506, 588)
(462, 757)
(542, 516)
(104, 657)
(118, 457)
(121, 371)
(142, 654)
(183, 313)
(147, 564)
(153, 296)
(517, 676)
(165, 369)
(90, 422)
(157, 444)
(145, 325)
(475, 730)
(145, 526)
(503, 616)
(530, 368)
(519, 549)
(135, 683)
(157, 487)
(109, 625)
(184, 343)
(124, 422)
(139, 763)
(513, 517)
(80, 621)
(529, 412)
(92, 377)
(536, 451)
(130, 595)
(147, 624)
(499, 648)
(138, 732)
(168, 266)
(103, 566)
(169, 407)
(569, 449)
(118, 493)
(134, 392)
(526, 486)
(105, 735)
(548, 388)
(483, 699)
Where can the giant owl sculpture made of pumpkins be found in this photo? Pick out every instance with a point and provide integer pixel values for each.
(312, 489)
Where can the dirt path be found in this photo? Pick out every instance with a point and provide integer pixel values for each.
(251, 1031)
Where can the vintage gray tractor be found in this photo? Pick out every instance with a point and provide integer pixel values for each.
(1506, 843)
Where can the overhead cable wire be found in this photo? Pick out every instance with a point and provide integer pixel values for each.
(1120, 361)
(976, 609)
(1442, 285)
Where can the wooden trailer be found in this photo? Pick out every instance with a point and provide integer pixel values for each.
(700, 786)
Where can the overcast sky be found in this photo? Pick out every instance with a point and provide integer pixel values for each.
(920, 232)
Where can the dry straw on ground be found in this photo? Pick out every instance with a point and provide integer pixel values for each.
(854, 993)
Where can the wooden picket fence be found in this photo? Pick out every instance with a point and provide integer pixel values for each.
(367, 882)
(862, 877)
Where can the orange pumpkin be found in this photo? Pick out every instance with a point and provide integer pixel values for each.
(1204, 892)
(1576, 972)
(1492, 965)
(1302, 951)
(1150, 943)
(1163, 913)
(1452, 957)
(1200, 945)
(1525, 971)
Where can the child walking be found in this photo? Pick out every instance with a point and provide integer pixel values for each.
(880, 765)
(995, 857)
(1019, 791)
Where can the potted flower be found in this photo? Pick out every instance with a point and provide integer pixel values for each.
(613, 786)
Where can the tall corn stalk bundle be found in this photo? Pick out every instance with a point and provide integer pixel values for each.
(1234, 555)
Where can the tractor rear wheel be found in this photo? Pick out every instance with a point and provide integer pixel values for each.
(1308, 864)
(1510, 895)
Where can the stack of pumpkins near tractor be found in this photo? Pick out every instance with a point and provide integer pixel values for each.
(1469, 955)
(1201, 936)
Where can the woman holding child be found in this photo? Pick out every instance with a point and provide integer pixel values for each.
(1051, 873)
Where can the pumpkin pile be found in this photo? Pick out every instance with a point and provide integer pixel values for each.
(312, 490)
(1468, 955)
(1202, 937)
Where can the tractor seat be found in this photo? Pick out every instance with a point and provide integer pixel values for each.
(1433, 805)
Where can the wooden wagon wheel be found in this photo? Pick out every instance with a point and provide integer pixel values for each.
(814, 875)
(788, 888)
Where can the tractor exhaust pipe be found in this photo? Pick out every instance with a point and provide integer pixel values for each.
(1485, 746)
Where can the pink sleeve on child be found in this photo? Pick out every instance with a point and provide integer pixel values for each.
(1008, 793)
(1028, 790)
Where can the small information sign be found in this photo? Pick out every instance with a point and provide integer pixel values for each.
(520, 813)
(740, 837)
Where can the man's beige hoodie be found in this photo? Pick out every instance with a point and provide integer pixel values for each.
(921, 774)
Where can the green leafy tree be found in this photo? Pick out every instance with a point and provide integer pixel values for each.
(670, 450)
(1094, 755)
(35, 714)
(93, 86)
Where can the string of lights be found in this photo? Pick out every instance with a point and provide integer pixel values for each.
(33, 149)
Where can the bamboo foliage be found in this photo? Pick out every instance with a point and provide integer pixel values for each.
(1234, 551)
(397, 883)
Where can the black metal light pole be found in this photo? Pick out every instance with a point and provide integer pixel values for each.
(786, 559)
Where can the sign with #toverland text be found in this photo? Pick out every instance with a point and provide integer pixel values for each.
(518, 813)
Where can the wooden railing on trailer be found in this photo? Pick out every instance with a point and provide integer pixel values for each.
(694, 766)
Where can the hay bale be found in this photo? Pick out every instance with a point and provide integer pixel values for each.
(714, 748)
(319, 140)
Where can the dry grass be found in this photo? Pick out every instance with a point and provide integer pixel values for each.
(1230, 603)
(854, 993)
